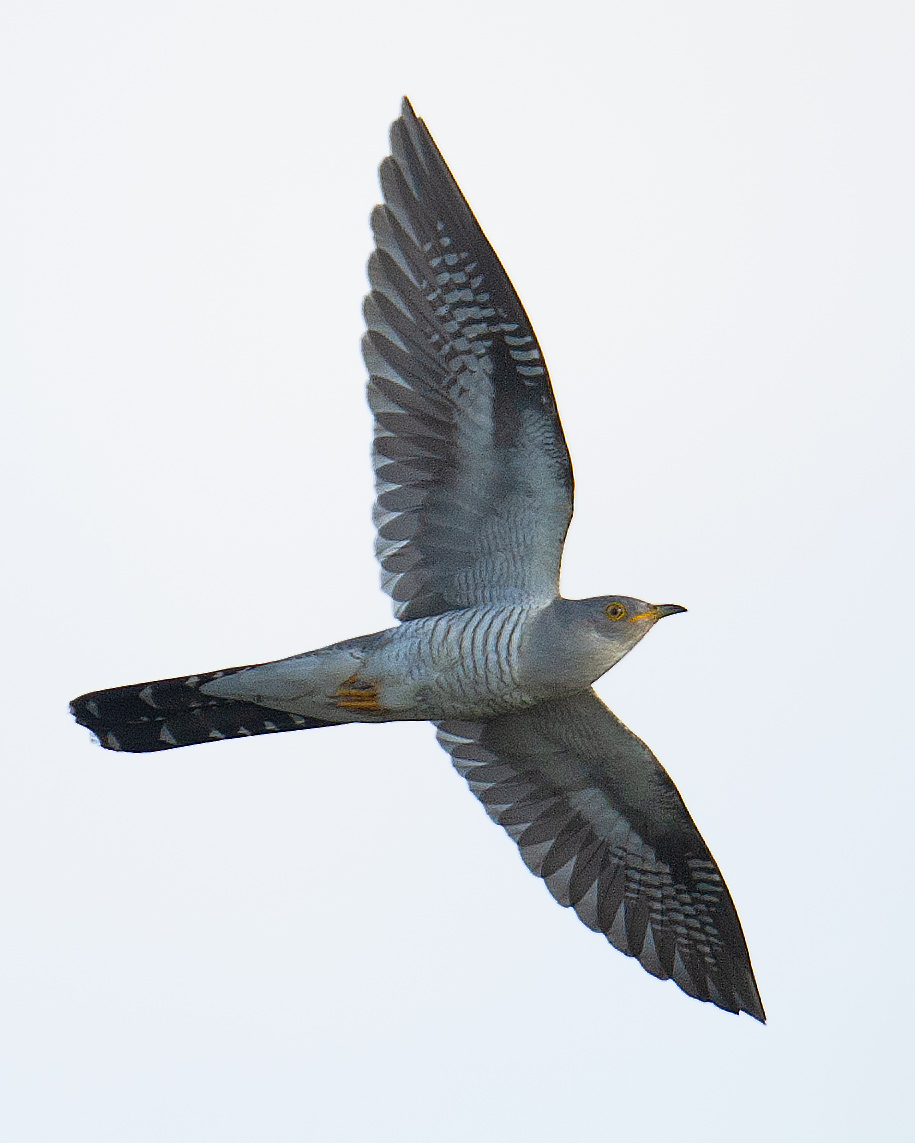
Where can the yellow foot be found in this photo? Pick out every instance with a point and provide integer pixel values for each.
(353, 695)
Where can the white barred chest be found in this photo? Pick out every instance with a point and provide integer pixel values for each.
(461, 664)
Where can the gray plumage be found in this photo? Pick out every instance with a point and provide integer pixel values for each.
(474, 498)
(473, 477)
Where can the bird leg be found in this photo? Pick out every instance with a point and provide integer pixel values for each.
(353, 695)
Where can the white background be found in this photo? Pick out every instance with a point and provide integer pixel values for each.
(707, 209)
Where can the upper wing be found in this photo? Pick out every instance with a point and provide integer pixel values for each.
(597, 817)
(473, 478)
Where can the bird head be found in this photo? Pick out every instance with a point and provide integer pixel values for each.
(619, 621)
(575, 641)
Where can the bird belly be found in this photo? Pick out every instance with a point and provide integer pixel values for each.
(457, 665)
(323, 684)
(460, 664)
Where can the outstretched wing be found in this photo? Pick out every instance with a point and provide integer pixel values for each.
(473, 478)
(597, 817)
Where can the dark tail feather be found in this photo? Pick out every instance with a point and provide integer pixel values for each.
(172, 712)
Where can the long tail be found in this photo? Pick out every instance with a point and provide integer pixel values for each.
(168, 713)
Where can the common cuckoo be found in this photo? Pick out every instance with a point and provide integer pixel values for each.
(474, 498)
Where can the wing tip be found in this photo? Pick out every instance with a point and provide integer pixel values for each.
(753, 1006)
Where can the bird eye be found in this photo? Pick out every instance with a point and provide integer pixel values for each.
(615, 611)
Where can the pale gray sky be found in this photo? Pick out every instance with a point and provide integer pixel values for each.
(707, 211)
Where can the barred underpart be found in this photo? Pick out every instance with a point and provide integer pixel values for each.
(473, 655)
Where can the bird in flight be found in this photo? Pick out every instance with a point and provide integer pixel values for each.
(473, 502)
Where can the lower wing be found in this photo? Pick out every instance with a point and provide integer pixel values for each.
(597, 817)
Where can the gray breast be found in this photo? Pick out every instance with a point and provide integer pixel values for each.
(457, 663)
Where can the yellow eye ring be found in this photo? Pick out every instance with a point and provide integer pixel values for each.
(615, 611)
